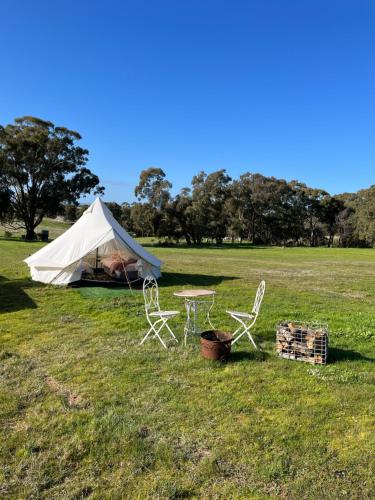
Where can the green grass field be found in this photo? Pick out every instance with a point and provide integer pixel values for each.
(54, 226)
(87, 412)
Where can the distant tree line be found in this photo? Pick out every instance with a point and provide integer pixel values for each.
(43, 172)
(253, 208)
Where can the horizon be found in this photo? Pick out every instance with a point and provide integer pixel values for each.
(286, 91)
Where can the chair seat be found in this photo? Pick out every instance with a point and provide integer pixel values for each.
(241, 314)
(164, 314)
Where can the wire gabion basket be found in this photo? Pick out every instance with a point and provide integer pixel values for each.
(303, 341)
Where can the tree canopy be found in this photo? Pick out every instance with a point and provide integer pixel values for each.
(254, 207)
(41, 168)
(43, 172)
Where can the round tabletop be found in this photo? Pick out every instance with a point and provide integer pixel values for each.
(194, 293)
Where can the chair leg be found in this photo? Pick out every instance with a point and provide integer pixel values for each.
(146, 336)
(242, 330)
(156, 332)
(236, 332)
(251, 339)
(161, 340)
(238, 337)
(170, 331)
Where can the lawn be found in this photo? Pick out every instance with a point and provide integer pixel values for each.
(86, 411)
(54, 226)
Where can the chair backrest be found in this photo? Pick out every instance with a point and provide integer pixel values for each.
(151, 294)
(259, 297)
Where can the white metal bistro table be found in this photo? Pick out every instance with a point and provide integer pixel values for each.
(195, 299)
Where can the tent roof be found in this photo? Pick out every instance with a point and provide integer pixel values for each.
(95, 227)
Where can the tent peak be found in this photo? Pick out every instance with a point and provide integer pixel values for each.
(96, 203)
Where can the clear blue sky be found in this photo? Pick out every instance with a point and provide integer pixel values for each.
(284, 88)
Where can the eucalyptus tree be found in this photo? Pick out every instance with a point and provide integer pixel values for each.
(70, 212)
(235, 207)
(41, 167)
(126, 219)
(116, 210)
(154, 188)
(181, 214)
(264, 205)
(209, 195)
(364, 219)
(142, 219)
(331, 209)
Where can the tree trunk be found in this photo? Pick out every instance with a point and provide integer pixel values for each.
(312, 238)
(30, 234)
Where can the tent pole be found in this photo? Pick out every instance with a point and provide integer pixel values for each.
(127, 278)
(96, 260)
(124, 269)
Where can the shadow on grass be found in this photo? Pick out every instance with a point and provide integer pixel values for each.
(184, 279)
(335, 355)
(236, 356)
(167, 279)
(13, 296)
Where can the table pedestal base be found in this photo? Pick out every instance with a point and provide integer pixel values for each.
(192, 307)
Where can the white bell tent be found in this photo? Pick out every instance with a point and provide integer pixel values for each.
(94, 236)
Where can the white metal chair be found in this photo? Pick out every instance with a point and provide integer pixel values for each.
(248, 320)
(156, 318)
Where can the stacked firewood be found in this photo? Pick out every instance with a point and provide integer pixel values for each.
(302, 342)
